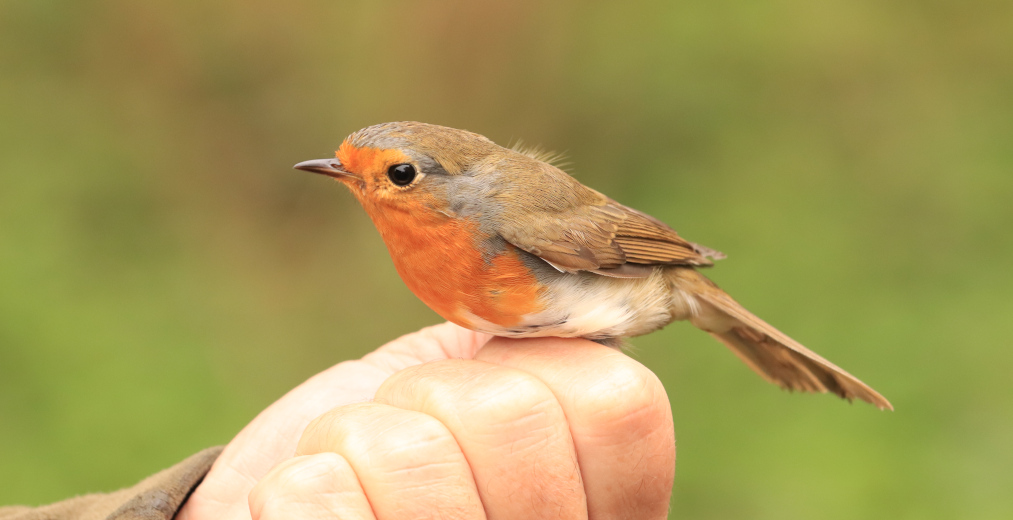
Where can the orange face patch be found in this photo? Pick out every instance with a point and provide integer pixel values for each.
(368, 161)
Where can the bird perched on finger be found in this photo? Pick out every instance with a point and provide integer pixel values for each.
(498, 241)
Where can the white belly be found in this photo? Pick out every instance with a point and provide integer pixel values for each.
(593, 306)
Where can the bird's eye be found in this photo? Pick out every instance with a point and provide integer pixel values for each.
(401, 174)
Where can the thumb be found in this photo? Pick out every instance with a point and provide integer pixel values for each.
(274, 434)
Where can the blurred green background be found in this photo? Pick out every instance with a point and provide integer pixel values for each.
(165, 274)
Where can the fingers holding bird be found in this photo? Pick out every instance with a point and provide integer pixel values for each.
(408, 463)
(509, 426)
(619, 417)
(544, 428)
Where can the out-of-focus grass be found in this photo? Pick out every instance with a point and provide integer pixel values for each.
(164, 275)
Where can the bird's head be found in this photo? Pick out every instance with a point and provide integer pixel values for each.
(410, 167)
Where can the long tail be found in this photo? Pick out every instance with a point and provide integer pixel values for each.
(768, 351)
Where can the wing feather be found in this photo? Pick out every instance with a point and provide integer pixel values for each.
(604, 236)
(576, 228)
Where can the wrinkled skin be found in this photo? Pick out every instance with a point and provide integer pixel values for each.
(445, 423)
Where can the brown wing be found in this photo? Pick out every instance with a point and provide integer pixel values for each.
(605, 237)
(647, 240)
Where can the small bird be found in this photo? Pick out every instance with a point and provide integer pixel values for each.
(498, 240)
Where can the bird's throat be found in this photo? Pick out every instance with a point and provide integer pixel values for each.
(444, 264)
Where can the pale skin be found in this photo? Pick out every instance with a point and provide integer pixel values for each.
(446, 423)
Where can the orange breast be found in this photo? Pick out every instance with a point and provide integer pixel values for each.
(438, 259)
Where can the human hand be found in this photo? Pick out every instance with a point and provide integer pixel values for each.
(446, 423)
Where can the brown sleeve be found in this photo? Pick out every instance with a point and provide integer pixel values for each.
(157, 497)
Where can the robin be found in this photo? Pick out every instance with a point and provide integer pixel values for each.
(499, 241)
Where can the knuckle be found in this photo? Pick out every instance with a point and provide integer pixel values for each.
(404, 434)
(318, 433)
(454, 388)
(624, 394)
(313, 473)
(293, 479)
(327, 432)
(390, 439)
(509, 397)
(477, 399)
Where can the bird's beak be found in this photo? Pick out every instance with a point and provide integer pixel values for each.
(328, 167)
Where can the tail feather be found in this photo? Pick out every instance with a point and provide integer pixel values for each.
(768, 351)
